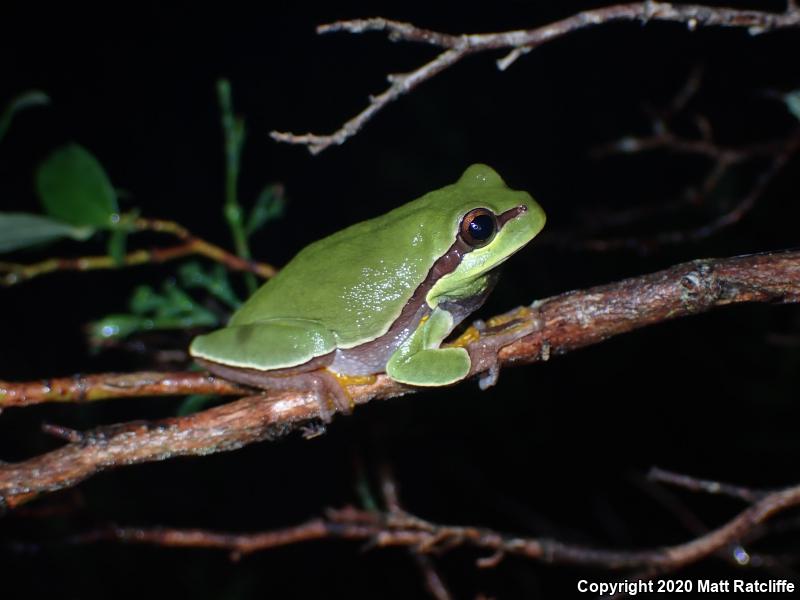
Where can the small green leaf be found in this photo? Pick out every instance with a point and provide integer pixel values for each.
(194, 403)
(117, 245)
(117, 326)
(74, 188)
(269, 206)
(21, 102)
(144, 300)
(23, 230)
(177, 302)
(216, 282)
(792, 100)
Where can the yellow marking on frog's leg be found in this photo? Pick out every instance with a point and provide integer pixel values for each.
(344, 401)
(493, 335)
(472, 334)
(522, 313)
(346, 380)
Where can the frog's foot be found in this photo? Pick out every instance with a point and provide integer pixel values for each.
(331, 393)
(328, 388)
(484, 341)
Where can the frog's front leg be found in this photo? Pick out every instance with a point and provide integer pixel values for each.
(486, 339)
(420, 360)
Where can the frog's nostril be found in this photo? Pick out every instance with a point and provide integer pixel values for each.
(511, 213)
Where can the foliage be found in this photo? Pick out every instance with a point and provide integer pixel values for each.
(80, 201)
(792, 100)
(75, 189)
(24, 230)
(21, 102)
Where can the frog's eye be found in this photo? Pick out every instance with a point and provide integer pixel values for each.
(478, 227)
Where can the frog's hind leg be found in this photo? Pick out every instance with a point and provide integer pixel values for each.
(313, 377)
(330, 394)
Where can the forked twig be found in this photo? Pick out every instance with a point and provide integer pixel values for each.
(519, 42)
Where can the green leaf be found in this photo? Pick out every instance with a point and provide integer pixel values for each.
(176, 302)
(792, 100)
(117, 326)
(269, 206)
(23, 230)
(215, 282)
(74, 188)
(117, 245)
(194, 403)
(21, 102)
(144, 300)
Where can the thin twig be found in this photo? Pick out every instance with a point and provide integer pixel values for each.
(432, 579)
(548, 328)
(706, 486)
(15, 273)
(731, 217)
(384, 530)
(434, 582)
(519, 42)
(778, 152)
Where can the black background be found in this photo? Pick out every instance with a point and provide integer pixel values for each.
(556, 449)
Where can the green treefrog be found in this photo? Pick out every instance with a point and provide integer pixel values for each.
(379, 296)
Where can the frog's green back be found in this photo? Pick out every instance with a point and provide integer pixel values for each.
(357, 281)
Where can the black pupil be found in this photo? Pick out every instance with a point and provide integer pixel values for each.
(481, 227)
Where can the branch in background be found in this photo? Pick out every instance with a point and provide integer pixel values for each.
(434, 583)
(457, 47)
(707, 487)
(549, 327)
(192, 245)
(394, 527)
(723, 159)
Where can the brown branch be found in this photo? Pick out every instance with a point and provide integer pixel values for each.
(423, 537)
(549, 327)
(706, 486)
(191, 245)
(89, 388)
(780, 154)
(457, 47)
(722, 159)
(431, 578)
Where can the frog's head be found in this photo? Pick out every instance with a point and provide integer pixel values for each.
(493, 222)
